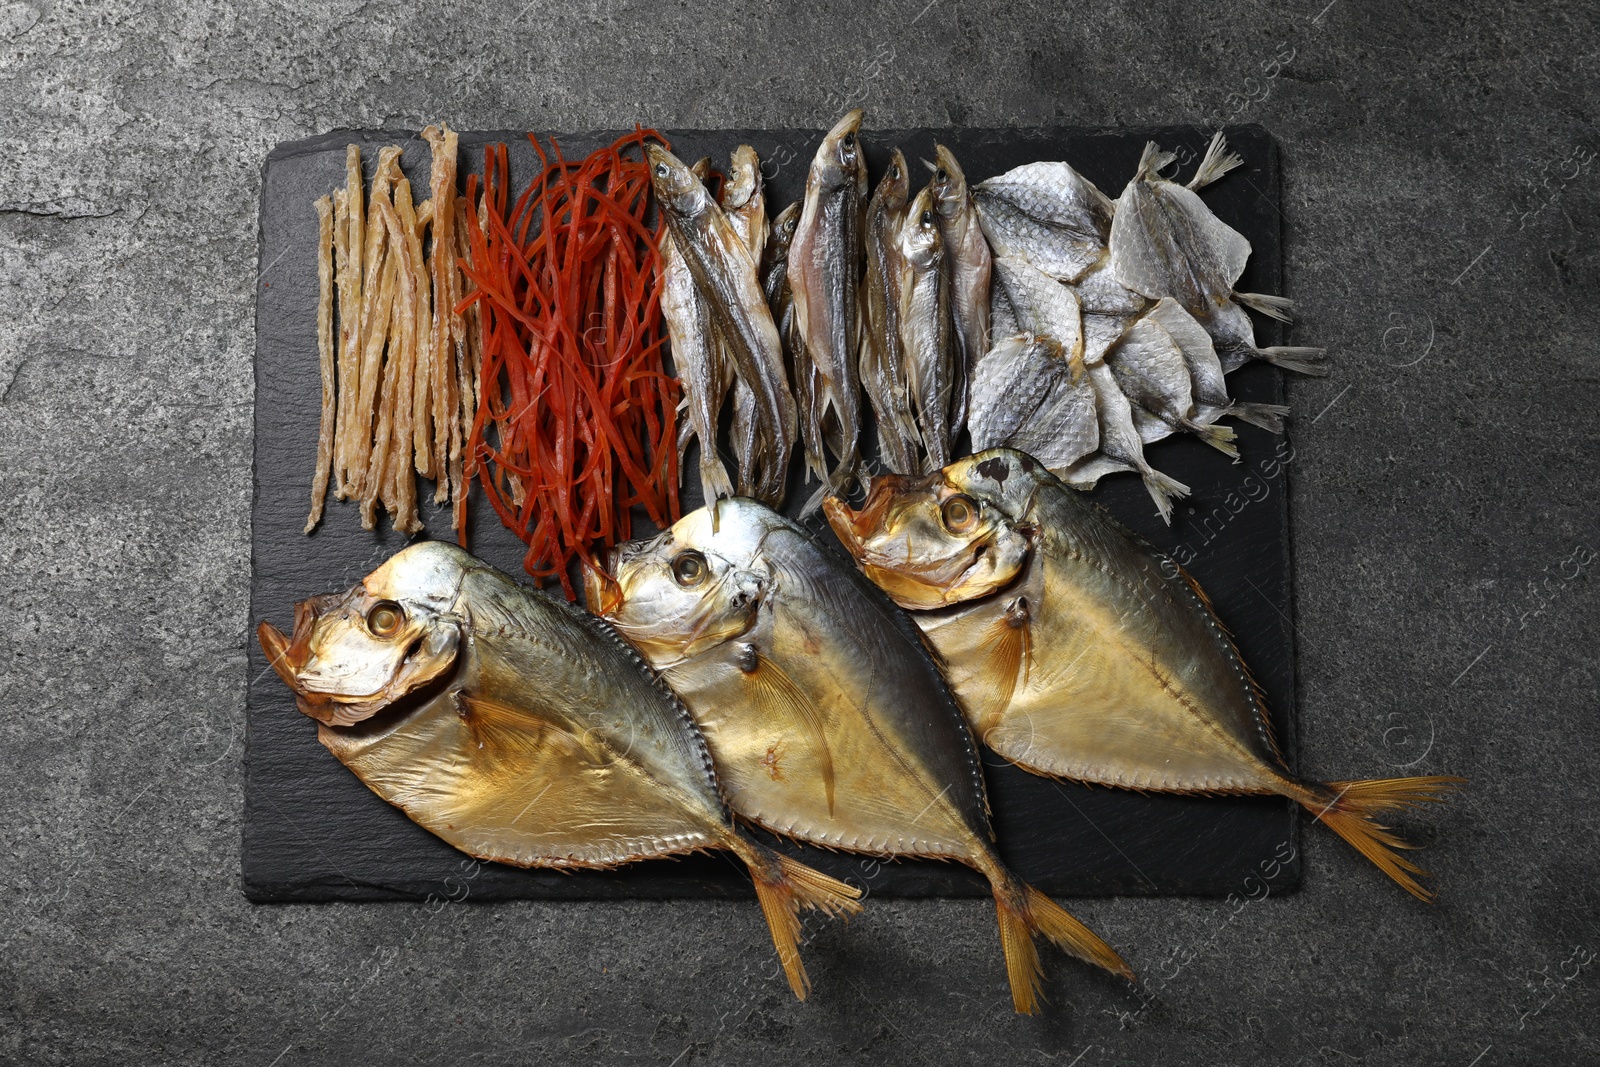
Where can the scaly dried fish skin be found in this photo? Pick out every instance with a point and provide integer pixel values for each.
(1048, 214)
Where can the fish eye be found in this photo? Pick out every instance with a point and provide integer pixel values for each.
(942, 174)
(662, 170)
(894, 173)
(849, 140)
(385, 618)
(927, 218)
(959, 514)
(689, 568)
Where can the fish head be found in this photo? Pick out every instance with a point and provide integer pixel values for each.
(677, 189)
(936, 540)
(949, 184)
(895, 185)
(697, 584)
(783, 225)
(840, 161)
(744, 178)
(920, 241)
(355, 653)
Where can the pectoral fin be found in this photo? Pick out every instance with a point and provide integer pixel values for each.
(1009, 645)
(774, 693)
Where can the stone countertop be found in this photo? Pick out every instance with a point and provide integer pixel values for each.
(1440, 188)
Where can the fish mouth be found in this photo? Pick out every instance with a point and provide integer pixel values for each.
(287, 655)
(855, 527)
(602, 593)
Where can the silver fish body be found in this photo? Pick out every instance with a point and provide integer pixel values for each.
(926, 331)
(968, 264)
(883, 369)
(825, 267)
(726, 276)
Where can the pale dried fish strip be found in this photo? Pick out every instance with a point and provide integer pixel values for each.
(351, 339)
(396, 282)
(319, 481)
(421, 311)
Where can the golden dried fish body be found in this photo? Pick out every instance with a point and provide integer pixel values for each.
(1048, 214)
(968, 265)
(726, 276)
(825, 268)
(825, 717)
(926, 337)
(882, 361)
(1078, 651)
(518, 728)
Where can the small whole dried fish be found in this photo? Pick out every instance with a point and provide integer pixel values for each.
(883, 369)
(825, 718)
(744, 199)
(1078, 651)
(967, 262)
(1150, 369)
(725, 274)
(1165, 242)
(520, 729)
(825, 266)
(927, 338)
(705, 375)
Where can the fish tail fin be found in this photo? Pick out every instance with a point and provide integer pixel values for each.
(1217, 161)
(1350, 809)
(1273, 307)
(784, 886)
(714, 481)
(1023, 911)
(1152, 161)
(1311, 361)
(1216, 435)
(1266, 416)
(1163, 489)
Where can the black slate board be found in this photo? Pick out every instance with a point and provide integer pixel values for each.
(313, 832)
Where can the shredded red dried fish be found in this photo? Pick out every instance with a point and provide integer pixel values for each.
(577, 419)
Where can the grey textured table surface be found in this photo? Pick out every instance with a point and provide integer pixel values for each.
(1440, 190)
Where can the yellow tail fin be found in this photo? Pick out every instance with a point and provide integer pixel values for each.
(1024, 911)
(784, 886)
(1349, 809)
